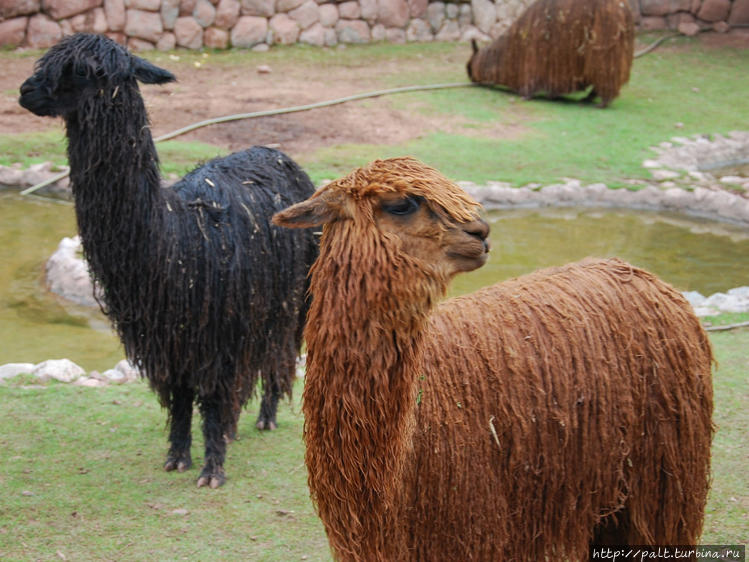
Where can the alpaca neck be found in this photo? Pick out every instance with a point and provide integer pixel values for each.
(115, 180)
(113, 164)
(360, 395)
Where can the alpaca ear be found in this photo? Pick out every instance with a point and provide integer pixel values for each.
(474, 46)
(150, 73)
(314, 211)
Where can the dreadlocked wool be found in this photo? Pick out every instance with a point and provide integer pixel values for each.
(559, 47)
(206, 295)
(526, 421)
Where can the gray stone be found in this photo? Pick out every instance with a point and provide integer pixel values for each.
(60, 9)
(714, 10)
(227, 13)
(63, 370)
(216, 38)
(452, 10)
(349, 10)
(417, 8)
(134, 44)
(143, 25)
(331, 37)
(450, 31)
(306, 14)
(99, 24)
(166, 42)
(265, 8)
(12, 176)
(653, 23)
(436, 15)
(186, 7)
(369, 10)
(395, 35)
(419, 30)
(465, 16)
(664, 7)
(352, 31)
(328, 15)
(204, 13)
(10, 370)
(249, 31)
(484, 14)
(188, 33)
(470, 33)
(739, 13)
(689, 29)
(13, 8)
(12, 33)
(285, 30)
(378, 32)
(169, 13)
(313, 35)
(149, 5)
(287, 5)
(127, 369)
(393, 13)
(42, 32)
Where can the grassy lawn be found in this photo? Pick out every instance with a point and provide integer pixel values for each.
(81, 477)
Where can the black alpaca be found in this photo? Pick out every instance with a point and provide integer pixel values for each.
(206, 295)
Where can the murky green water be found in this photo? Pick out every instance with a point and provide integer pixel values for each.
(689, 253)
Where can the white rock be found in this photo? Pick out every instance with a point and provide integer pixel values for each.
(89, 382)
(63, 370)
(114, 376)
(10, 370)
(694, 298)
(128, 370)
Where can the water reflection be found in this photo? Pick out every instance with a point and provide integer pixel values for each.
(691, 254)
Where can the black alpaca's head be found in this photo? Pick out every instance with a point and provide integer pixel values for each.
(82, 66)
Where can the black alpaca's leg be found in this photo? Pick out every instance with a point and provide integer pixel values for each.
(269, 404)
(180, 415)
(214, 429)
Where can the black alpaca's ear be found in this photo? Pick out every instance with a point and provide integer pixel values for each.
(150, 73)
(474, 46)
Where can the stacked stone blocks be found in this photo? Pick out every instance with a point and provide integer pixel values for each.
(257, 24)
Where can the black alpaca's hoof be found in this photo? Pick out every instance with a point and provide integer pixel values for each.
(213, 479)
(178, 461)
(264, 424)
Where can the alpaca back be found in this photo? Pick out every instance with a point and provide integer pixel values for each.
(234, 284)
(562, 46)
(550, 401)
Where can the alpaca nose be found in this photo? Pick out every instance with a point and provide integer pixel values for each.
(479, 229)
(26, 88)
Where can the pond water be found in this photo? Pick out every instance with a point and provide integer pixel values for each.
(691, 254)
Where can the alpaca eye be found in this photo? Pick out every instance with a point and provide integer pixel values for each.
(404, 207)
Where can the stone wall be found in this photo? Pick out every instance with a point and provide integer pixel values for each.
(256, 24)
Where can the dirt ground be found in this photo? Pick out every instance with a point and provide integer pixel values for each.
(212, 90)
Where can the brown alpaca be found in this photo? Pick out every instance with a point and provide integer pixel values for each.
(525, 421)
(559, 47)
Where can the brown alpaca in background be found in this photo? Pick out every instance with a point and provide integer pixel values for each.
(525, 421)
(559, 47)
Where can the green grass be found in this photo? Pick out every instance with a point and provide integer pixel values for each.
(81, 477)
(568, 139)
(494, 135)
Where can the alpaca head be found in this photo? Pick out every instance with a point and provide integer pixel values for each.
(82, 67)
(398, 214)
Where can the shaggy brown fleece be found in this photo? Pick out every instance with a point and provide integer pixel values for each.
(525, 421)
(559, 47)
